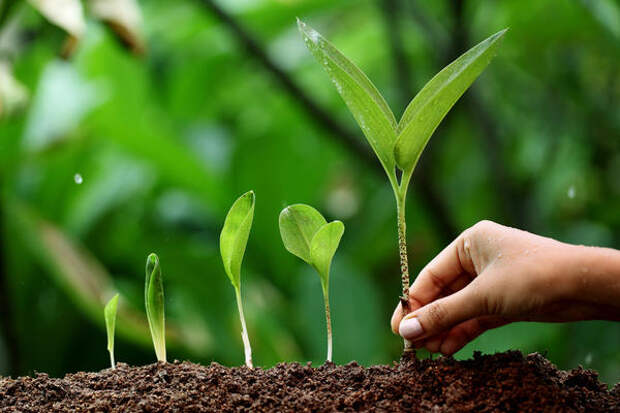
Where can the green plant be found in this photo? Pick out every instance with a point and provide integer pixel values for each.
(306, 234)
(109, 313)
(154, 302)
(233, 240)
(398, 145)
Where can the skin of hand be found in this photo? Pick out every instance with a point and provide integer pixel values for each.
(493, 275)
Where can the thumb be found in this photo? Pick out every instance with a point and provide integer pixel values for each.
(441, 315)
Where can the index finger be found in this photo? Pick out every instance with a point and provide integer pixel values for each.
(438, 275)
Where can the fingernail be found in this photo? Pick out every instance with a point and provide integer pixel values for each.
(410, 328)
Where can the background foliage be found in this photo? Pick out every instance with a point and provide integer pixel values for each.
(113, 147)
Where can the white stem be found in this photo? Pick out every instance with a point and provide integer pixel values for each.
(112, 363)
(244, 331)
(328, 322)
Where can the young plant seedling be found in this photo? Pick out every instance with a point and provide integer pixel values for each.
(109, 313)
(306, 234)
(233, 240)
(398, 145)
(154, 302)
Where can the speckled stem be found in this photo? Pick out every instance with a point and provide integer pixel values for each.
(404, 261)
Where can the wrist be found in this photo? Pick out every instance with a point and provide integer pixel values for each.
(594, 276)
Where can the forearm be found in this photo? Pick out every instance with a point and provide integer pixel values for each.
(594, 276)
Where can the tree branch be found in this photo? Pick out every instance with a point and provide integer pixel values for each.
(323, 118)
(254, 49)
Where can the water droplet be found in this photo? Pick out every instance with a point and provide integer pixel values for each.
(314, 36)
(78, 179)
(571, 192)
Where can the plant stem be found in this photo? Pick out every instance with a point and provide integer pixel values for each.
(159, 342)
(244, 331)
(328, 322)
(404, 261)
(402, 247)
(112, 362)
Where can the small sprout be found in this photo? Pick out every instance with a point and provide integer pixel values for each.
(233, 240)
(109, 313)
(154, 302)
(306, 234)
(399, 144)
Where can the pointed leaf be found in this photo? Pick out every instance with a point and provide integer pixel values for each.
(365, 102)
(323, 247)
(298, 225)
(433, 102)
(109, 313)
(154, 301)
(234, 236)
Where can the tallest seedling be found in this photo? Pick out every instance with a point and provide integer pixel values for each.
(398, 145)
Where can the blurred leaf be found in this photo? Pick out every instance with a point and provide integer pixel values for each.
(363, 99)
(323, 247)
(154, 303)
(115, 180)
(433, 102)
(13, 95)
(86, 282)
(61, 101)
(66, 14)
(234, 236)
(607, 13)
(124, 18)
(109, 313)
(298, 225)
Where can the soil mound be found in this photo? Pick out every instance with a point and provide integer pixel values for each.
(501, 382)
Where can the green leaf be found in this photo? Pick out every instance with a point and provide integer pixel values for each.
(323, 247)
(306, 234)
(368, 107)
(234, 236)
(298, 225)
(109, 313)
(154, 301)
(433, 102)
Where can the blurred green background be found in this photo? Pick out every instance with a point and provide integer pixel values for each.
(135, 133)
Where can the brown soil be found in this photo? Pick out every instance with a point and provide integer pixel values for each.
(501, 382)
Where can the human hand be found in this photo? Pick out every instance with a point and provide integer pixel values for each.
(492, 275)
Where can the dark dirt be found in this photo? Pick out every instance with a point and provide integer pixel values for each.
(501, 382)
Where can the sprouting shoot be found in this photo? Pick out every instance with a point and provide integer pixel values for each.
(109, 313)
(306, 234)
(154, 302)
(233, 240)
